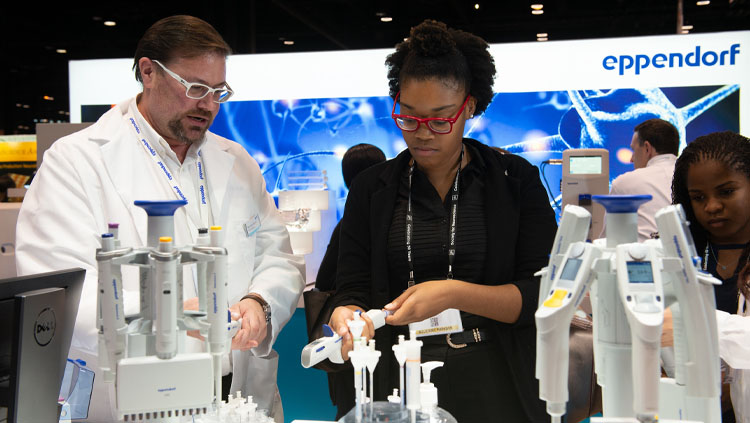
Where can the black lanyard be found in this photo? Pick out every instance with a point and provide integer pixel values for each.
(454, 213)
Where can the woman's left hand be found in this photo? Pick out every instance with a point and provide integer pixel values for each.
(422, 301)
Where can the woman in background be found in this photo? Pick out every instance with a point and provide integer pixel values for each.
(356, 159)
(479, 226)
(712, 183)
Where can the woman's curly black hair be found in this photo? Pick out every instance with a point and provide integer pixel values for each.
(435, 51)
(729, 148)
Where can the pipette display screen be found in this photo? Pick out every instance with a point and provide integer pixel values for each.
(640, 272)
(585, 165)
(571, 269)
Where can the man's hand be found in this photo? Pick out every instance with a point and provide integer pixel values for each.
(421, 301)
(340, 316)
(254, 327)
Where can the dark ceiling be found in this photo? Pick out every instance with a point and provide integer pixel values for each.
(32, 32)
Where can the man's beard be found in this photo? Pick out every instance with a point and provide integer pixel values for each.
(179, 132)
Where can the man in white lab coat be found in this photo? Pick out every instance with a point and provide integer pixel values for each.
(156, 146)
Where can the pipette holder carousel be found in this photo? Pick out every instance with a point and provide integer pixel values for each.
(155, 379)
(630, 284)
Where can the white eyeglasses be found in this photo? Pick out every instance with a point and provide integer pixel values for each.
(197, 91)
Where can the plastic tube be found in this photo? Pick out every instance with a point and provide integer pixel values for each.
(399, 351)
(413, 371)
(165, 281)
(203, 240)
(373, 356)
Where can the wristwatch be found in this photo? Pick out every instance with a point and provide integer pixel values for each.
(263, 304)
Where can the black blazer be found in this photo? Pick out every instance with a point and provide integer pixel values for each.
(521, 227)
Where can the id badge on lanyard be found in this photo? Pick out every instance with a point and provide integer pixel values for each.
(448, 321)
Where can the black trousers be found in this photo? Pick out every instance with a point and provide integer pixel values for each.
(475, 383)
(226, 384)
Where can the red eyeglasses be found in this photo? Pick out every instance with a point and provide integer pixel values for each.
(437, 125)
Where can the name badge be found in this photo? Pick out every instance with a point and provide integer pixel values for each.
(449, 321)
(251, 226)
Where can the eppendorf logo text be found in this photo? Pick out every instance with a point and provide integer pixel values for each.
(695, 57)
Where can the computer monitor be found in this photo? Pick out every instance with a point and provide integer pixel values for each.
(38, 313)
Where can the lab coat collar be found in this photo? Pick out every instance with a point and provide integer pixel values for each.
(661, 158)
(109, 126)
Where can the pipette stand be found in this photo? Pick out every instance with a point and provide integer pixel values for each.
(155, 379)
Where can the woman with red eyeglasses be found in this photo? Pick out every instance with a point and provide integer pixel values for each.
(447, 236)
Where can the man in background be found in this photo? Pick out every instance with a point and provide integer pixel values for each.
(655, 145)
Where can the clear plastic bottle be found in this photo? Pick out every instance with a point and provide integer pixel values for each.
(435, 415)
(76, 388)
(396, 413)
(382, 412)
(430, 412)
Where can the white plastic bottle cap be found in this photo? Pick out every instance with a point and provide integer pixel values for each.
(428, 395)
(394, 398)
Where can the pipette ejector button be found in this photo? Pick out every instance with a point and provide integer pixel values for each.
(638, 251)
(556, 299)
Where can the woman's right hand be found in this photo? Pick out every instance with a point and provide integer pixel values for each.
(340, 316)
